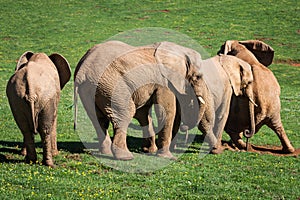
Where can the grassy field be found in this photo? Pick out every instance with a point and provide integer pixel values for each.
(71, 27)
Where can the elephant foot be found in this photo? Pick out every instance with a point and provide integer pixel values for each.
(173, 147)
(105, 147)
(218, 150)
(55, 152)
(166, 154)
(288, 149)
(48, 163)
(29, 160)
(241, 145)
(151, 149)
(23, 151)
(121, 154)
(105, 150)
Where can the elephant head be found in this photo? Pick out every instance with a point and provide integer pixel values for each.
(241, 78)
(177, 64)
(58, 60)
(252, 51)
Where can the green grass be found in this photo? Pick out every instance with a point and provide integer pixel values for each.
(71, 27)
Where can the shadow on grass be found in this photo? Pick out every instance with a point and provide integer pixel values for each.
(15, 149)
(134, 145)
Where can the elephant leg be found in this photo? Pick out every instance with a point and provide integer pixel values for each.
(237, 140)
(121, 119)
(220, 121)
(119, 146)
(24, 121)
(46, 121)
(89, 105)
(53, 138)
(166, 99)
(29, 147)
(102, 133)
(175, 129)
(143, 115)
(276, 125)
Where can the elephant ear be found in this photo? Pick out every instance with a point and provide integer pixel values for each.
(173, 65)
(238, 71)
(262, 51)
(62, 67)
(25, 57)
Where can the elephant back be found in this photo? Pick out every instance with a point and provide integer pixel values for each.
(94, 62)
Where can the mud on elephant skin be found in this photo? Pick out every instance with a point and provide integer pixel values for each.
(266, 91)
(128, 86)
(33, 93)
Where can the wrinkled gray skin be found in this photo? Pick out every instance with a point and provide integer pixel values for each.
(33, 93)
(222, 77)
(266, 93)
(131, 84)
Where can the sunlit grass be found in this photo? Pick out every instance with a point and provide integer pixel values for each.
(72, 27)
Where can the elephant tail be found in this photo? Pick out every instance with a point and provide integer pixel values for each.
(75, 105)
(34, 116)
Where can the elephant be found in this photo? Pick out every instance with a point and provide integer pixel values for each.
(33, 93)
(122, 82)
(266, 92)
(223, 76)
(87, 74)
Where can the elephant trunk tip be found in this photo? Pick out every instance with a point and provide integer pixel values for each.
(248, 134)
(184, 128)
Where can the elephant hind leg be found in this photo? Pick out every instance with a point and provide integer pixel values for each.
(165, 134)
(276, 125)
(47, 127)
(119, 146)
(143, 115)
(102, 133)
(237, 140)
(29, 147)
(25, 126)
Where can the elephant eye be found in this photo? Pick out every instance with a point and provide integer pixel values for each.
(198, 77)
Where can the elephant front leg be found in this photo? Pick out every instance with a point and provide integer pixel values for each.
(119, 146)
(143, 115)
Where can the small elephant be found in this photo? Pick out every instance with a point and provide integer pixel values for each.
(128, 83)
(33, 93)
(223, 76)
(266, 92)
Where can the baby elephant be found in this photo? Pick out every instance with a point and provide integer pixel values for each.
(33, 93)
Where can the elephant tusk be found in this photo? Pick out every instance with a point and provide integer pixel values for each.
(201, 100)
(251, 100)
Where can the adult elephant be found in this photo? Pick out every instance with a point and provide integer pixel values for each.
(266, 93)
(222, 77)
(130, 84)
(33, 93)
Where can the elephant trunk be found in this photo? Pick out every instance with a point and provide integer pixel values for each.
(250, 133)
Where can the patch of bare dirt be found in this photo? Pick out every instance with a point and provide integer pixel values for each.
(267, 149)
(294, 63)
(273, 150)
